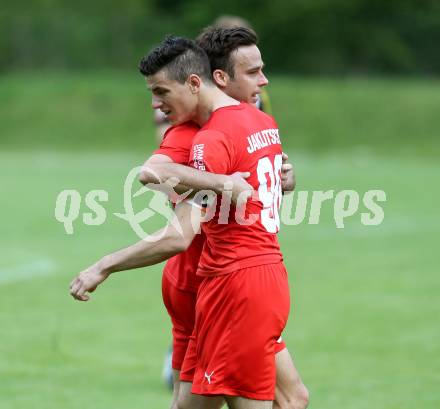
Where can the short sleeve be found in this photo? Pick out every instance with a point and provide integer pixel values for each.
(212, 151)
(177, 143)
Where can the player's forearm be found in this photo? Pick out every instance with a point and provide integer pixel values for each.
(288, 181)
(143, 253)
(288, 178)
(186, 177)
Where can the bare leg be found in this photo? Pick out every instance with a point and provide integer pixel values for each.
(188, 400)
(290, 392)
(237, 402)
(176, 386)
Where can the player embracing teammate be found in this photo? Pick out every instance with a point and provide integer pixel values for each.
(243, 300)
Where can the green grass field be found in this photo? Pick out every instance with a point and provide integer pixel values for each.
(364, 329)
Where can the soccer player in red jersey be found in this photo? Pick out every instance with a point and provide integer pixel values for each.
(255, 143)
(236, 81)
(240, 262)
(245, 289)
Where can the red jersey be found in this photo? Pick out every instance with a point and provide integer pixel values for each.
(181, 269)
(240, 138)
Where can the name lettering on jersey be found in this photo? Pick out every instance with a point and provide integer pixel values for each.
(262, 139)
(198, 156)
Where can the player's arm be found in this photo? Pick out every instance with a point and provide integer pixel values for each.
(158, 158)
(288, 178)
(151, 165)
(190, 178)
(167, 242)
(197, 180)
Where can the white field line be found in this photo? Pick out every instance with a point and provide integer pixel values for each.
(26, 271)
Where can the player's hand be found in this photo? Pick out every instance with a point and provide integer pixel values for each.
(86, 282)
(241, 190)
(288, 178)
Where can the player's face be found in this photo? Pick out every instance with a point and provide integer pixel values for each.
(248, 74)
(174, 99)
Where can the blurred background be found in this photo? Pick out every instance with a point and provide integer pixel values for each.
(354, 86)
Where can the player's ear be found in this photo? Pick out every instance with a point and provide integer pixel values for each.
(220, 78)
(194, 83)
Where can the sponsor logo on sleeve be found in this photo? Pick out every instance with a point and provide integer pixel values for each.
(198, 156)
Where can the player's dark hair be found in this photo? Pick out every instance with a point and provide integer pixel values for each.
(219, 43)
(180, 56)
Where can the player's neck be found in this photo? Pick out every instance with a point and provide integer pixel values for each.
(212, 99)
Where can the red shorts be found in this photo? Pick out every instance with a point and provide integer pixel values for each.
(189, 365)
(181, 307)
(239, 318)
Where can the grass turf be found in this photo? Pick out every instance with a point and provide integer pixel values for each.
(363, 330)
(108, 110)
